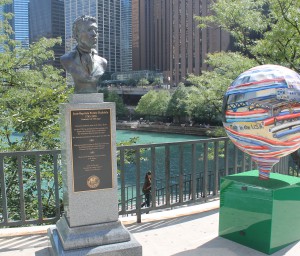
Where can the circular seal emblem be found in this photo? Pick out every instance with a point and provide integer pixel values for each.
(93, 181)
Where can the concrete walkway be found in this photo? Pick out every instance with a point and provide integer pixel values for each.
(185, 231)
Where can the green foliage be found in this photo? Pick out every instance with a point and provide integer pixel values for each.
(129, 156)
(143, 82)
(156, 81)
(131, 82)
(154, 103)
(280, 43)
(178, 105)
(198, 108)
(30, 187)
(242, 18)
(213, 84)
(190, 102)
(30, 93)
(217, 132)
(266, 30)
(112, 96)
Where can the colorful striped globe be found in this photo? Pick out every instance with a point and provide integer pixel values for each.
(262, 114)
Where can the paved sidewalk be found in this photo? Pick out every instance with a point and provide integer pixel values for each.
(185, 231)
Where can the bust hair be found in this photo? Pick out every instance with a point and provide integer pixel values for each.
(78, 23)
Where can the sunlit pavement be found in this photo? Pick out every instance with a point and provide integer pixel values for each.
(185, 231)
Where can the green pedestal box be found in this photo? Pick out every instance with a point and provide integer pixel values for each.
(261, 214)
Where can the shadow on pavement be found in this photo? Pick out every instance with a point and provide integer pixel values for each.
(22, 242)
(43, 252)
(220, 246)
(150, 225)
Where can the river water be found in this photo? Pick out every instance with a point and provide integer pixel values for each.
(145, 165)
(130, 169)
(153, 137)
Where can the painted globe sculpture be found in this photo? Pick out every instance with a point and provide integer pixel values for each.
(262, 114)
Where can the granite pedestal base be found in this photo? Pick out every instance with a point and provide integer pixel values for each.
(260, 214)
(129, 248)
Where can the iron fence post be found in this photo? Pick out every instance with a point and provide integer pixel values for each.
(138, 188)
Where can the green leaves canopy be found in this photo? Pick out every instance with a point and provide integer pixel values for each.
(213, 84)
(154, 103)
(30, 93)
(266, 30)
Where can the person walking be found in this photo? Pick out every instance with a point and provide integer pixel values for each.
(147, 189)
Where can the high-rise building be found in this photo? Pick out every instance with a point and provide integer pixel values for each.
(20, 21)
(166, 37)
(47, 19)
(126, 36)
(114, 29)
(1, 29)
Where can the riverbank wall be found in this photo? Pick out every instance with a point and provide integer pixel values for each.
(164, 128)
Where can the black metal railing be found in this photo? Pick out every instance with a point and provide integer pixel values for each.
(182, 173)
(30, 185)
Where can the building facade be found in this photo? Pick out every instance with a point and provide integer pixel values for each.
(126, 36)
(166, 37)
(47, 19)
(114, 29)
(20, 22)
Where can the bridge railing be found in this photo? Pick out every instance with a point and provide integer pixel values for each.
(182, 173)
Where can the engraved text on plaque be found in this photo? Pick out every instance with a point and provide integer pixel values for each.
(91, 149)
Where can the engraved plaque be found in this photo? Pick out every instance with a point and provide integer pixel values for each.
(91, 149)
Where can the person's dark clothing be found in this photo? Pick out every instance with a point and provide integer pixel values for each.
(147, 193)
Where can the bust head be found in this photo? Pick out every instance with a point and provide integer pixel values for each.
(85, 31)
(83, 63)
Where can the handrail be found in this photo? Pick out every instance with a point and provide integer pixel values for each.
(182, 173)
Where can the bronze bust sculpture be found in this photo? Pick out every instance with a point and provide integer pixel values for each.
(83, 63)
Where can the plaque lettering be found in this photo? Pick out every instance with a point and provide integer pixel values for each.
(91, 149)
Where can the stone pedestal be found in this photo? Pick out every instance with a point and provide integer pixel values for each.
(261, 214)
(90, 224)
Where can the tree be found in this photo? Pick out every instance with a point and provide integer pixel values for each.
(157, 81)
(112, 96)
(265, 30)
(281, 41)
(143, 82)
(30, 94)
(213, 84)
(131, 82)
(198, 108)
(178, 105)
(154, 103)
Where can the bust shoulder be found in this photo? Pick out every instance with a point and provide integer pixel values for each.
(101, 61)
(68, 58)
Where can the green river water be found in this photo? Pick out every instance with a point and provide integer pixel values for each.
(153, 137)
(145, 165)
